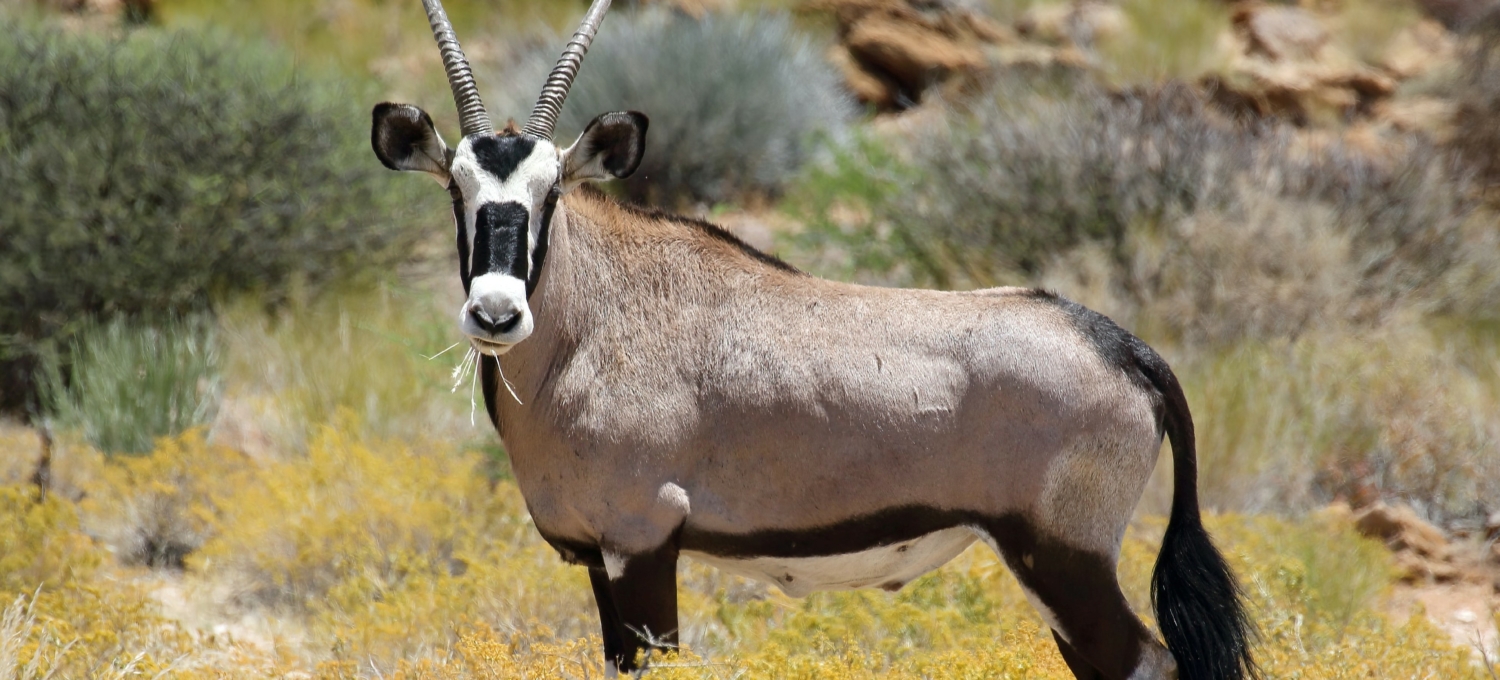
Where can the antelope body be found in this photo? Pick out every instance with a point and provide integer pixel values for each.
(673, 392)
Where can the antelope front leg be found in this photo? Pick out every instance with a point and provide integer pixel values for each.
(638, 599)
(609, 621)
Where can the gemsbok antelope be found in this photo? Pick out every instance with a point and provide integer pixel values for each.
(672, 391)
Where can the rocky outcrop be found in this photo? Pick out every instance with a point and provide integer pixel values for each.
(1286, 67)
(1076, 24)
(1282, 60)
(911, 55)
(135, 11)
(892, 51)
(1418, 49)
(1281, 32)
(1421, 549)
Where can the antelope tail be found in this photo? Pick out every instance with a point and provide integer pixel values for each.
(1199, 605)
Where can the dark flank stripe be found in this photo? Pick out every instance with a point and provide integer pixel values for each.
(886, 527)
(892, 525)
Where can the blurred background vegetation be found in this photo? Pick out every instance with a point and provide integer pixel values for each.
(231, 438)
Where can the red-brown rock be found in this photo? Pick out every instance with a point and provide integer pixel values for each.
(893, 51)
(1402, 530)
(1281, 32)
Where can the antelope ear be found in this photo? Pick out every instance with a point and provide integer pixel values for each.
(611, 147)
(404, 139)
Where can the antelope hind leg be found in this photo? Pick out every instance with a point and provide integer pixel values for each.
(1076, 592)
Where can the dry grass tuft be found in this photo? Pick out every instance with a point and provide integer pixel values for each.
(367, 352)
(1401, 413)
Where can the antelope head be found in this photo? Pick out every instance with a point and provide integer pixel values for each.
(505, 185)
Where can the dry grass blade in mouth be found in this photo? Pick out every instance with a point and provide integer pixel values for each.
(468, 367)
(508, 387)
(445, 351)
(461, 370)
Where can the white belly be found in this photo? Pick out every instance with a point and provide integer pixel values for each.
(888, 567)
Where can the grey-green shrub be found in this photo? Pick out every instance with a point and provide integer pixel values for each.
(1398, 412)
(128, 383)
(1476, 136)
(152, 171)
(1028, 170)
(1037, 169)
(737, 102)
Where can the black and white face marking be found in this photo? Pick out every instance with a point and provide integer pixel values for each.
(506, 185)
(504, 189)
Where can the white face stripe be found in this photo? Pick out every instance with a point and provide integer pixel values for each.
(526, 184)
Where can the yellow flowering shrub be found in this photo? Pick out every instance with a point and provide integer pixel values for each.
(20, 448)
(64, 612)
(387, 549)
(157, 509)
(1312, 586)
(394, 559)
(40, 542)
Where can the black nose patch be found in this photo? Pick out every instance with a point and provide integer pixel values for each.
(500, 232)
(501, 155)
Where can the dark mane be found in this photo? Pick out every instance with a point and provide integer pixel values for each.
(709, 229)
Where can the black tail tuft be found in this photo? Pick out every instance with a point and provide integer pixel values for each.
(1199, 606)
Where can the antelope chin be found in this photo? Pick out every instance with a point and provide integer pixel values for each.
(493, 349)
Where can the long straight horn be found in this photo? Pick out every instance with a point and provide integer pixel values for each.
(544, 115)
(472, 119)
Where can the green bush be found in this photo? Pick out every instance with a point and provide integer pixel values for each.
(1408, 414)
(152, 172)
(129, 383)
(297, 370)
(736, 102)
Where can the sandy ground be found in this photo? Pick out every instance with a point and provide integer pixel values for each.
(1465, 610)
